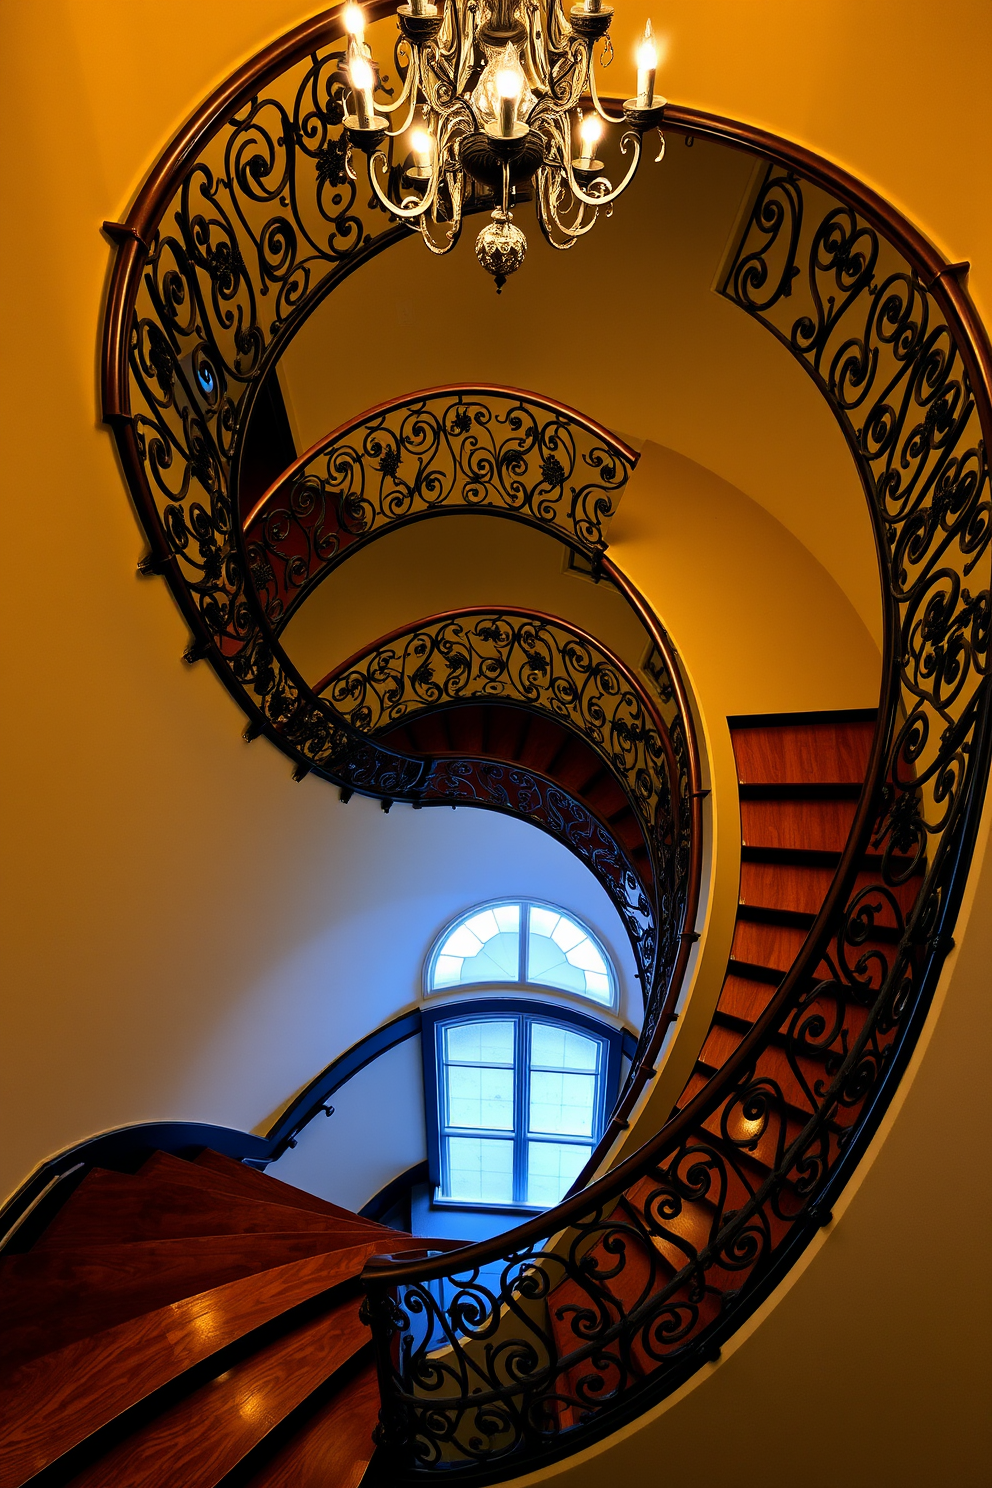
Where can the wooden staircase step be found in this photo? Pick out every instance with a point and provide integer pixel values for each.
(334, 1447)
(822, 826)
(252, 1183)
(793, 749)
(49, 1299)
(110, 1208)
(200, 1439)
(744, 997)
(58, 1401)
(774, 946)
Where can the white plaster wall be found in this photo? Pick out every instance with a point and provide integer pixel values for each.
(376, 1132)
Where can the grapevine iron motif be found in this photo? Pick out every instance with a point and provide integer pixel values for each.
(465, 449)
(572, 1323)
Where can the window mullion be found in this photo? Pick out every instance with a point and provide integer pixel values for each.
(521, 1073)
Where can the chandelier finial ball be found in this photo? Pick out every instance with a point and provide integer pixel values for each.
(500, 248)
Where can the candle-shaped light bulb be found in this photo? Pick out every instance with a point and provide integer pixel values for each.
(423, 148)
(508, 88)
(354, 24)
(362, 83)
(590, 133)
(647, 66)
(593, 7)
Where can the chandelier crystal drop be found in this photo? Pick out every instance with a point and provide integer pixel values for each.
(493, 90)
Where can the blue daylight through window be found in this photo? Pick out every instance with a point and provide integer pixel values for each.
(520, 1106)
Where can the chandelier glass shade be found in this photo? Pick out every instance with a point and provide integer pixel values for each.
(500, 95)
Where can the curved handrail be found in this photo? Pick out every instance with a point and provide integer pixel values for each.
(538, 662)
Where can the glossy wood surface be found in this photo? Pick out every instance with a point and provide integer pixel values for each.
(820, 825)
(49, 1299)
(111, 1207)
(253, 1184)
(333, 1448)
(197, 1441)
(58, 1400)
(818, 751)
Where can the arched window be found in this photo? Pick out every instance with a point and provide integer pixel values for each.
(520, 943)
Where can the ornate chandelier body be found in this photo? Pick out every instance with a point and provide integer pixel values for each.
(498, 85)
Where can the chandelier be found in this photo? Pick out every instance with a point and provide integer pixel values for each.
(498, 86)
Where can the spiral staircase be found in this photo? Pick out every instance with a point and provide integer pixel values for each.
(173, 1314)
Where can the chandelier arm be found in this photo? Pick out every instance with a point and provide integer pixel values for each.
(454, 232)
(549, 193)
(392, 133)
(614, 192)
(408, 214)
(594, 95)
(408, 82)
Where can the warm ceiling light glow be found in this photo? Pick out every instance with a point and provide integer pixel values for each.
(354, 19)
(591, 132)
(647, 52)
(361, 75)
(508, 83)
(421, 143)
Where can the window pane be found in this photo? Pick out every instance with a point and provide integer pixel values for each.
(483, 948)
(558, 1048)
(562, 1103)
(561, 954)
(480, 1170)
(480, 1042)
(483, 1098)
(551, 1169)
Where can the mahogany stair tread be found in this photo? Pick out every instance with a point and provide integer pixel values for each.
(49, 1299)
(120, 1206)
(56, 1401)
(334, 1448)
(253, 1183)
(200, 1439)
(243, 1183)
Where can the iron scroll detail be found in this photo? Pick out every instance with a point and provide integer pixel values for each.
(459, 449)
(250, 219)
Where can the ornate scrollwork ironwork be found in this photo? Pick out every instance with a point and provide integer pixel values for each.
(524, 658)
(483, 449)
(573, 1323)
(539, 662)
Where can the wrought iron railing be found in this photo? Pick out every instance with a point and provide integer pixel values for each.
(477, 449)
(529, 660)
